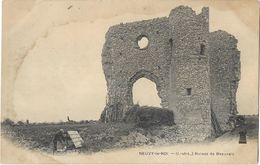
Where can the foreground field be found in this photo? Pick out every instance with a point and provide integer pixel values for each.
(96, 135)
(100, 136)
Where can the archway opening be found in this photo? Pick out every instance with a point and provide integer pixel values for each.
(145, 93)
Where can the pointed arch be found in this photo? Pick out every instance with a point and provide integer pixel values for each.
(142, 74)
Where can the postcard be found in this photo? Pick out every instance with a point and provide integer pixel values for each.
(130, 81)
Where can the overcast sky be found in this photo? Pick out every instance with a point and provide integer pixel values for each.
(62, 74)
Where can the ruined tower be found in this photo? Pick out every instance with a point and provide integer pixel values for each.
(196, 72)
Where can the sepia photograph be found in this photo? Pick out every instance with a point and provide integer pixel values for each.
(130, 81)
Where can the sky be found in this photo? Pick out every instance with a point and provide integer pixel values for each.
(61, 74)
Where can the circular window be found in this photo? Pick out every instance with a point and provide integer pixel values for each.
(142, 42)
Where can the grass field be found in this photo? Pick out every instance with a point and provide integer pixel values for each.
(100, 136)
(96, 135)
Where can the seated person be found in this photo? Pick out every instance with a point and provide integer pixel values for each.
(60, 137)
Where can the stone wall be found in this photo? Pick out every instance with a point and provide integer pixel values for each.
(225, 75)
(124, 62)
(182, 58)
(190, 77)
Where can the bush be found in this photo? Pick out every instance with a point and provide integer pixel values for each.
(149, 116)
(8, 122)
(20, 123)
(83, 122)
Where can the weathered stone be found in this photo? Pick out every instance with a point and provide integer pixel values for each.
(195, 71)
(224, 75)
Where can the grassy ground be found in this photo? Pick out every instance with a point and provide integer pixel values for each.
(96, 135)
(100, 136)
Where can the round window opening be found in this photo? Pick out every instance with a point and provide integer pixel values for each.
(142, 42)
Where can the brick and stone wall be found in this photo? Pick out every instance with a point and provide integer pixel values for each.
(190, 77)
(224, 75)
(182, 58)
(124, 62)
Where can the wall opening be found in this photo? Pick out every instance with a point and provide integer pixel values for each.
(145, 93)
(170, 40)
(188, 91)
(142, 42)
(202, 49)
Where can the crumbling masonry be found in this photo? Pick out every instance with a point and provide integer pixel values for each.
(196, 72)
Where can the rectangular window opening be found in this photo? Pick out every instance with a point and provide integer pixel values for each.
(170, 40)
(202, 49)
(188, 91)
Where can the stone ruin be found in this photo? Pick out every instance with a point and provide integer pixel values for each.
(196, 72)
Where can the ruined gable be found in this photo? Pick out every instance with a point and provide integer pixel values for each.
(195, 71)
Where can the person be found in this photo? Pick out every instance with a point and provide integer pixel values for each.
(60, 137)
(242, 136)
(241, 122)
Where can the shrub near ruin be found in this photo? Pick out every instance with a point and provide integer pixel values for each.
(146, 116)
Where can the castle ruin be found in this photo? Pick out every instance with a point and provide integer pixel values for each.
(196, 72)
